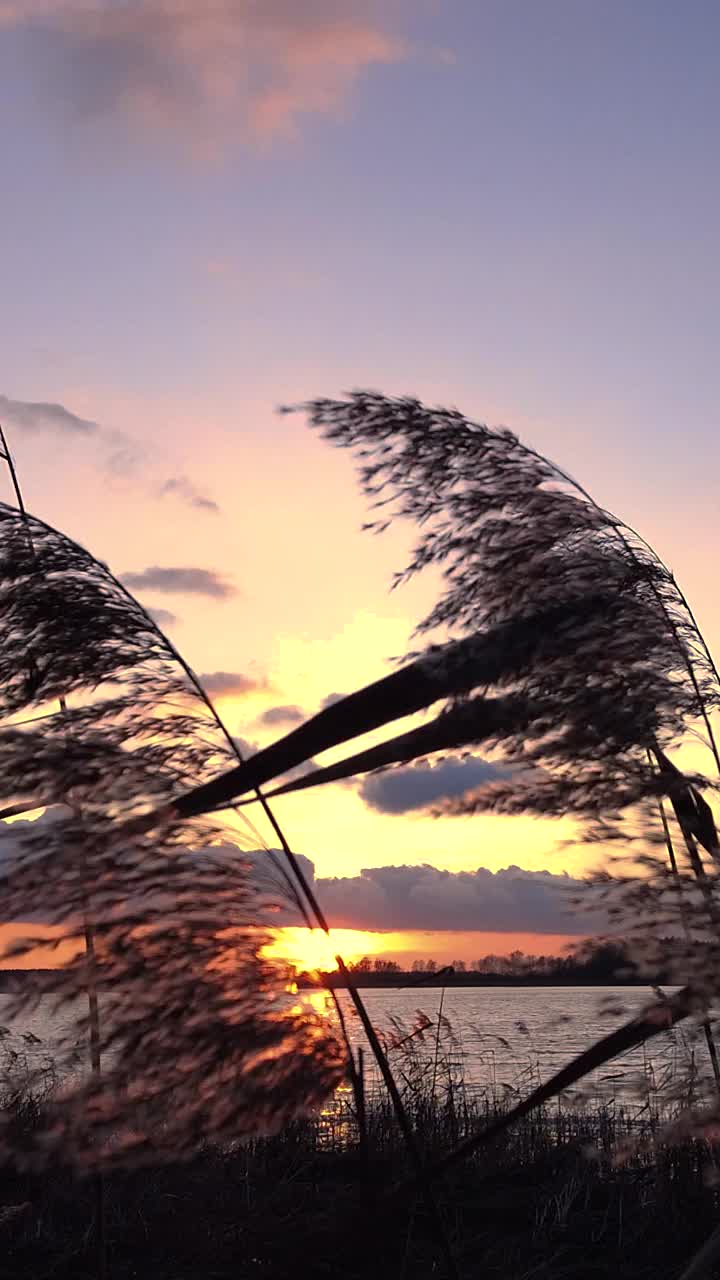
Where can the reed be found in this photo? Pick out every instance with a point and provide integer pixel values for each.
(154, 731)
(560, 641)
(189, 1039)
(548, 1188)
(601, 699)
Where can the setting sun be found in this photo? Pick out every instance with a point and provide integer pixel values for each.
(311, 949)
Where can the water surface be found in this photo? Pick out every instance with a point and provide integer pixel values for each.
(510, 1039)
(504, 1039)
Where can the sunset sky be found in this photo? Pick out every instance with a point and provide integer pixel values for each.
(211, 207)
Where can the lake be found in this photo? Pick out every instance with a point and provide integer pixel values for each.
(501, 1039)
(510, 1039)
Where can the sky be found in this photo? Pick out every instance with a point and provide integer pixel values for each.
(211, 209)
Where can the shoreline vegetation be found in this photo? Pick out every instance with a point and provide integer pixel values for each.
(12, 980)
(336, 982)
(593, 965)
(577, 1188)
(301, 1203)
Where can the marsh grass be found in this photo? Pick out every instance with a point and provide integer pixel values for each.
(567, 1192)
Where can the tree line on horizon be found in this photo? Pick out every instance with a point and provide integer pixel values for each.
(608, 960)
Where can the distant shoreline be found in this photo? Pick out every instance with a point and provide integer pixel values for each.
(13, 980)
(408, 981)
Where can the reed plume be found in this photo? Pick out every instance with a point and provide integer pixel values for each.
(559, 637)
(196, 1044)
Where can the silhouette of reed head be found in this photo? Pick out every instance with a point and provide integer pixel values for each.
(160, 926)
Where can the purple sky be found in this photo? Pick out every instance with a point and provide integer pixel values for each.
(210, 208)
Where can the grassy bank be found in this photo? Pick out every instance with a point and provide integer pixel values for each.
(549, 1199)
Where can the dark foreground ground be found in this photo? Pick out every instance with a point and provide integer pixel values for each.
(545, 1203)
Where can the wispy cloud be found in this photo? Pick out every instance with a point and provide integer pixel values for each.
(31, 415)
(181, 580)
(184, 489)
(420, 785)
(123, 455)
(113, 452)
(216, 70)
(231, 683)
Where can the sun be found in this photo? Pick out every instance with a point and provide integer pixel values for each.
(310, 950)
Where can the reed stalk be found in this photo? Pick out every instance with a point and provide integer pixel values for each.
(88, 929)
(672, 860)
(302, 894)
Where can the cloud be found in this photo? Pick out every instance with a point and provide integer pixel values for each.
(182, 488)
(420, 785)
(124, 455)
(206, 72)
(420, 898)
(29, 415)
(424, 897)
(181, 580)
(331, 699)
(164, 617)
(282, 715)
(231, 683)
(413, 898)
(113, 451)
(15, 851)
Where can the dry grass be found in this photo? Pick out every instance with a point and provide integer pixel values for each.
(547, 1200)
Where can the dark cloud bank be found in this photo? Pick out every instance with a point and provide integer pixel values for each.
(423, 897)
(413, 898)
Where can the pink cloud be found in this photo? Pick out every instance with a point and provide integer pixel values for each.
(215, 70)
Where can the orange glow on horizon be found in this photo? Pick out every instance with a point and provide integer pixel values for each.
(312, 950)
(53, 955)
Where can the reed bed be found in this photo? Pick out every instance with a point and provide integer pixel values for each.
(566, 1192)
